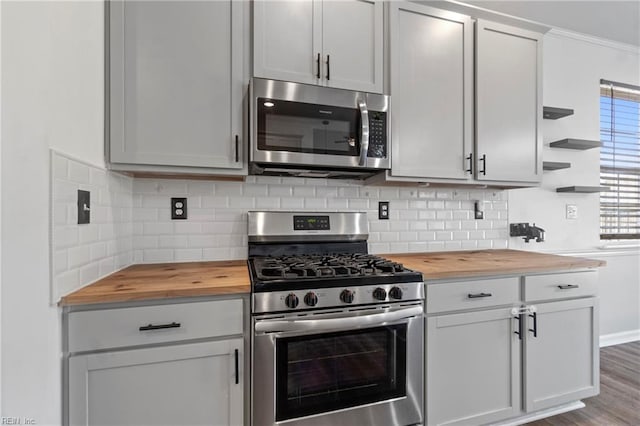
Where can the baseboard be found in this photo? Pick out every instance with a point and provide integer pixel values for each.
(619, 338)
(542, 414)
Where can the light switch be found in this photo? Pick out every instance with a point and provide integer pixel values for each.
(84, 207)
(572, 211)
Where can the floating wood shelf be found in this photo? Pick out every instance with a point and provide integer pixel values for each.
(583, 189)
(553, 113)
(554, 165)
(579, 144)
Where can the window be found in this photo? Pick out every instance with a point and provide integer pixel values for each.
(620, 161)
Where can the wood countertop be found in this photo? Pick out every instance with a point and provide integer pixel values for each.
(164, 281)
(475, 263)
(193, 279)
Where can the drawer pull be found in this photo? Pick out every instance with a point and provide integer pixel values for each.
(567, 286)
(159, 326)
(478, 295)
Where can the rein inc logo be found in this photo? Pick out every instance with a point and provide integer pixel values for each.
(17, 421)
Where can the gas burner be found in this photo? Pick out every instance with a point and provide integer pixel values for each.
(323, 266)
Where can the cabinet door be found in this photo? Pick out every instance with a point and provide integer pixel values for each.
(508, 103)
(473, 368)
(432, 92)
(562, 363)
(352, 44)
(176, 83)
(287, 40)
(190, 384)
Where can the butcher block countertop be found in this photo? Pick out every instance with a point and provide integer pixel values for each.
(192, 279)
(165, 281)
(475, 263)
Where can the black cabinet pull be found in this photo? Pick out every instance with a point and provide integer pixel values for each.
(478, 295)
(534, 330)
(484, 164)
(328, 68)
(470, 158)
(318, 66)
(520, 326)
(237, 150)
(159, 326)
(567, 286)
(236, 363)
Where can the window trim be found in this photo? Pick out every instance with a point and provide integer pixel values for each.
(630, 93)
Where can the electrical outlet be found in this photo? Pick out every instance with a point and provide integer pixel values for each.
(84, 207)
(572, 211)
(178, 208)
(383, 210)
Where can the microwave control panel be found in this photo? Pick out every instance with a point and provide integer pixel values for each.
(377, 134)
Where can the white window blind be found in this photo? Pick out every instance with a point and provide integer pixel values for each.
(620, 160)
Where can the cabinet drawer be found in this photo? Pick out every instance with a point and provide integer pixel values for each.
(455, 296)
(112, 328)
(560, 286)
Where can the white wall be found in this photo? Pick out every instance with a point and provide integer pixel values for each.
(573, 67)
(52, 79)
(572, 70)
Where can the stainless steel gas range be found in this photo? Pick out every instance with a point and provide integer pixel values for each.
(337, 333)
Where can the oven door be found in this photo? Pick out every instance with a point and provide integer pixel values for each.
(350, 368)
(310, 126)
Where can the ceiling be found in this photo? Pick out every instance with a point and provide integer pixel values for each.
(613, 20)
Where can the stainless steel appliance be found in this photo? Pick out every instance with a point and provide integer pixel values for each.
(337, 333)
(313, 131)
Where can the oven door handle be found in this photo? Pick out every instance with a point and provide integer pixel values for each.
(364, 132)
(272, 326)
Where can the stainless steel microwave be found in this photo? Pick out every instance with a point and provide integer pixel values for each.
(314, 131)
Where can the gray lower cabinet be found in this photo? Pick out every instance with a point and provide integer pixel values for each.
(176, 84)
(155, 364)
(473, 368)
(505, 347)
(561, 363)
(186, 384)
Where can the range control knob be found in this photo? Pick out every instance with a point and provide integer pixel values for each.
(311, 299)
(395, 293)
(291, 300)
(346, 296)
(380, 293)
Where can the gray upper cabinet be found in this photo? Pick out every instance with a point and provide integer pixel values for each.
(337, 44)
(508, 103)
(432, 92)
(176, 85)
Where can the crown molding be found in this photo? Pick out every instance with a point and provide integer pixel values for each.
(562, 33)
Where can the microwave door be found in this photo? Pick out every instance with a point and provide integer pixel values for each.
(297, 127)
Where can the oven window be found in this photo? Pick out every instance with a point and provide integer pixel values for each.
(331, 371)
(307, 128)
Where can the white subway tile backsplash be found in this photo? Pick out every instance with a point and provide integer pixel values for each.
(267, 203)
(317, 203)
(158, 255)
(78, 172)
(337, 203)
(131, 218)
(82, 254)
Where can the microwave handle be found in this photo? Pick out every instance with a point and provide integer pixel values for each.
(364, 132)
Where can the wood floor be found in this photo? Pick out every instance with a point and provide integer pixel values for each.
(619, 399)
